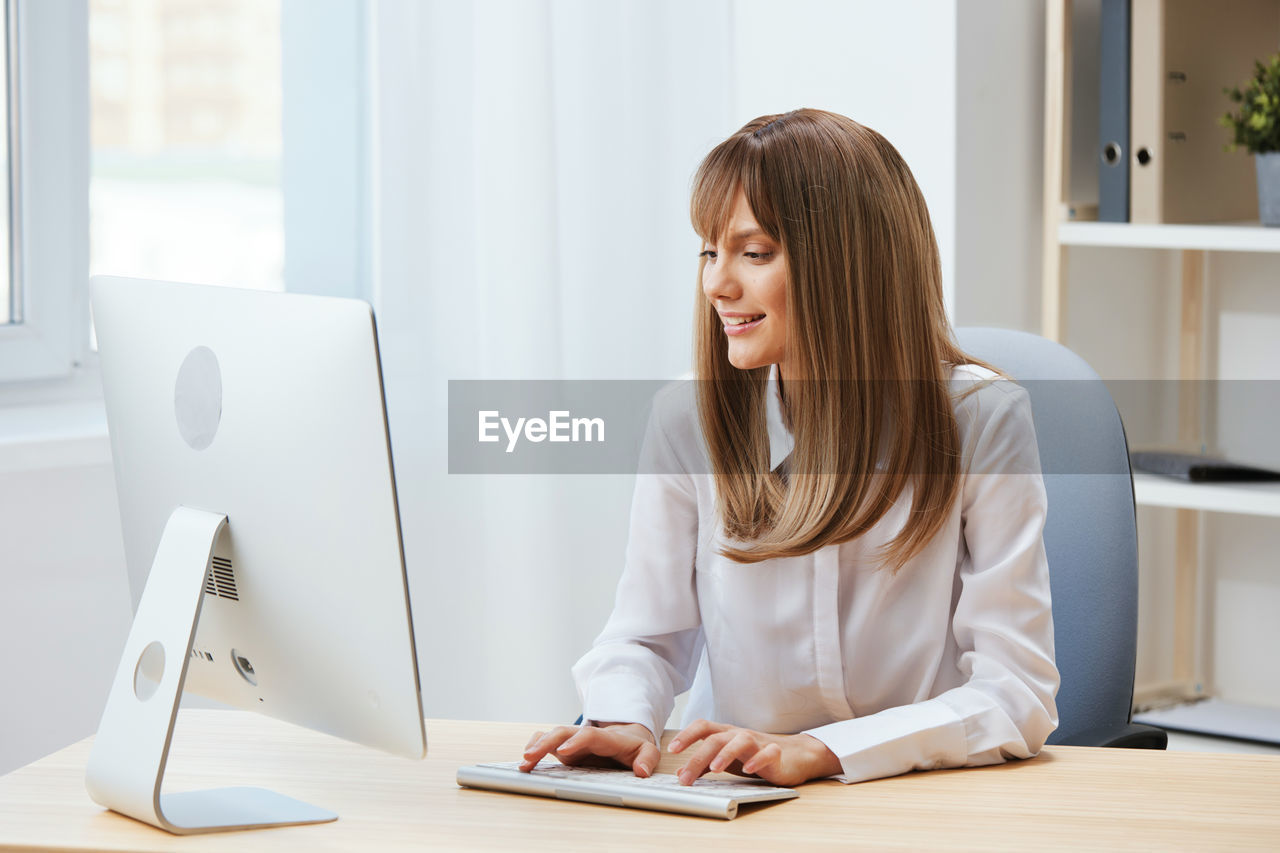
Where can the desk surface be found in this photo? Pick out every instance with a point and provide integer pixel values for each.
(1068, 797)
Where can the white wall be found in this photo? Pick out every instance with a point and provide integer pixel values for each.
(999, 141)
(64, 614)
(890, 66)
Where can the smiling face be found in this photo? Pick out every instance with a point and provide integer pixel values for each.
(744, 276)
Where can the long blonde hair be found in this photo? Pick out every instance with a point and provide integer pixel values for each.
(867, 335)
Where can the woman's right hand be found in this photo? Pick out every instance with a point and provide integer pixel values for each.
(604, 745)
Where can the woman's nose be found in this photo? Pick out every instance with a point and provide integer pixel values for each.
(719, 284)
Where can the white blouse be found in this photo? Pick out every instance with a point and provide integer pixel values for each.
(947, 663)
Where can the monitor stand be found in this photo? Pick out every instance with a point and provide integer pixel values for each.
(126, 765)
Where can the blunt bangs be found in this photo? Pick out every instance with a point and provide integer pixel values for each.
(735, 164)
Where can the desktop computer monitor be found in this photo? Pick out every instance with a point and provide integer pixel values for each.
(258, 502)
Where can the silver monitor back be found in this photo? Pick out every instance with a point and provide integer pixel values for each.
(269, 408)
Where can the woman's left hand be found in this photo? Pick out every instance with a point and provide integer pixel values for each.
(780, 759)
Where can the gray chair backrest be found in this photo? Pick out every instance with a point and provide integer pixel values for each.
(1090, 533)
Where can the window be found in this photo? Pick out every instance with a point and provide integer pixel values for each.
(185, 99)
(148, 141)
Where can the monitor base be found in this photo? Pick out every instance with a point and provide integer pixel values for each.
(224, 809)
(126, 765)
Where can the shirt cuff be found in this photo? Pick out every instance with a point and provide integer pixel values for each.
(618, 698)
(922, 736)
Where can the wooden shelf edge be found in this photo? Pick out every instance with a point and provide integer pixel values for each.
(1218, 718)
(1239, 498)
(1220, 237)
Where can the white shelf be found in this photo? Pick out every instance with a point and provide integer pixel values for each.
(1246, 498)
(1219, 237)
(1216, 717)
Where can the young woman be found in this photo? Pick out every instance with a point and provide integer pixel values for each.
(839, 549)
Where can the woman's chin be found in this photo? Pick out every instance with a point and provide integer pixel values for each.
(746, 361)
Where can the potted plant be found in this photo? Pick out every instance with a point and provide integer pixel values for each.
(1257, 129)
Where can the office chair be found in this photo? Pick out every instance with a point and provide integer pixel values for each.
(1090, 535)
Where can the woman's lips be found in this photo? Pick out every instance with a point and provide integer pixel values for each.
(742, 328)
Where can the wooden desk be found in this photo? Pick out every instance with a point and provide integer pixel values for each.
(1068, 797)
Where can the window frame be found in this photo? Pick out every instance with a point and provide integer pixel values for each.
(52, 204)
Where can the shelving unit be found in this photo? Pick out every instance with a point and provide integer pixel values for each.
(1193, 243)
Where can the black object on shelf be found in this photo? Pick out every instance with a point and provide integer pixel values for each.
(1200, 469)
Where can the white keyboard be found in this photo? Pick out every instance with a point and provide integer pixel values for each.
(617, 787)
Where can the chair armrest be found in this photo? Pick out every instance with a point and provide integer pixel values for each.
(1128, 736)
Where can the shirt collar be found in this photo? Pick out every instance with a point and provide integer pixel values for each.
(781, 442)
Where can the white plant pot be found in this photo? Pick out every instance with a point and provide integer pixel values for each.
(1268, 187)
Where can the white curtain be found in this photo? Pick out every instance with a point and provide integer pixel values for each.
(531, 174)
(532, 162)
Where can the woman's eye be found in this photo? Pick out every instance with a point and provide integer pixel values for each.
(711, 255)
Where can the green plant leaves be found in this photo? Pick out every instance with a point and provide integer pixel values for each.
(1256, 125)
